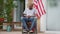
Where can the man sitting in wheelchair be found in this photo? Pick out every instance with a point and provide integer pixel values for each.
(29, 18)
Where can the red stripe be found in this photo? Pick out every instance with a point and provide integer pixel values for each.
(41, 3)
(40, 11)
(42, 6)
(37, 9)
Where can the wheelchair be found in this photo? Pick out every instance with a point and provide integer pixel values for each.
(29, 25)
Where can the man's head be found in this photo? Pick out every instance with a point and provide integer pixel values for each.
(31, 6)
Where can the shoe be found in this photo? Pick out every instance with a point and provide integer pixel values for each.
(31, 31)
(24, 31)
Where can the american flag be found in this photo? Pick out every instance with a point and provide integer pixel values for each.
(40, 8)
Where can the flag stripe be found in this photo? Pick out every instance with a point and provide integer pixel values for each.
(36, 5)
(40, 7)
(36, 2)
(37, 10)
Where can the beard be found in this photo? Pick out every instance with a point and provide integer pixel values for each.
(30, 8)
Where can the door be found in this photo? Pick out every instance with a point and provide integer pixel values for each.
(53, 15)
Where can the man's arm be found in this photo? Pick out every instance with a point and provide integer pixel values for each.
(24, 15)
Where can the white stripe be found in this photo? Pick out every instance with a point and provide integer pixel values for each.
(41, 7)
(37, 12)
(35, 3)
(38, 8)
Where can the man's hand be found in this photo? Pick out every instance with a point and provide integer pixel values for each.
(28, 16)
(24, 15)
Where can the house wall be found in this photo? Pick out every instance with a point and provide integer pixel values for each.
(51, 20)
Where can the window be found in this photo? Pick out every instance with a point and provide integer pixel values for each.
(20, 6)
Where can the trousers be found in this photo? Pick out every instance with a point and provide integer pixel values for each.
(24, 20)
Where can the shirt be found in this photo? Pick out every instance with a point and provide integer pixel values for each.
(29, 12)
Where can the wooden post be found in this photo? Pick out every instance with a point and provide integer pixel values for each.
(38, 25)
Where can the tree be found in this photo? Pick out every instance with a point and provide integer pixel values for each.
(1, 8)
(8, 7)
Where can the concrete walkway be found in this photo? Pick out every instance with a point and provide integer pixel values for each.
(20, 33)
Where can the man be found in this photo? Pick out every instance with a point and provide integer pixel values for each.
(29, 14)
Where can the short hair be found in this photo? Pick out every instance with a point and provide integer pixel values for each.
(30, 4)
